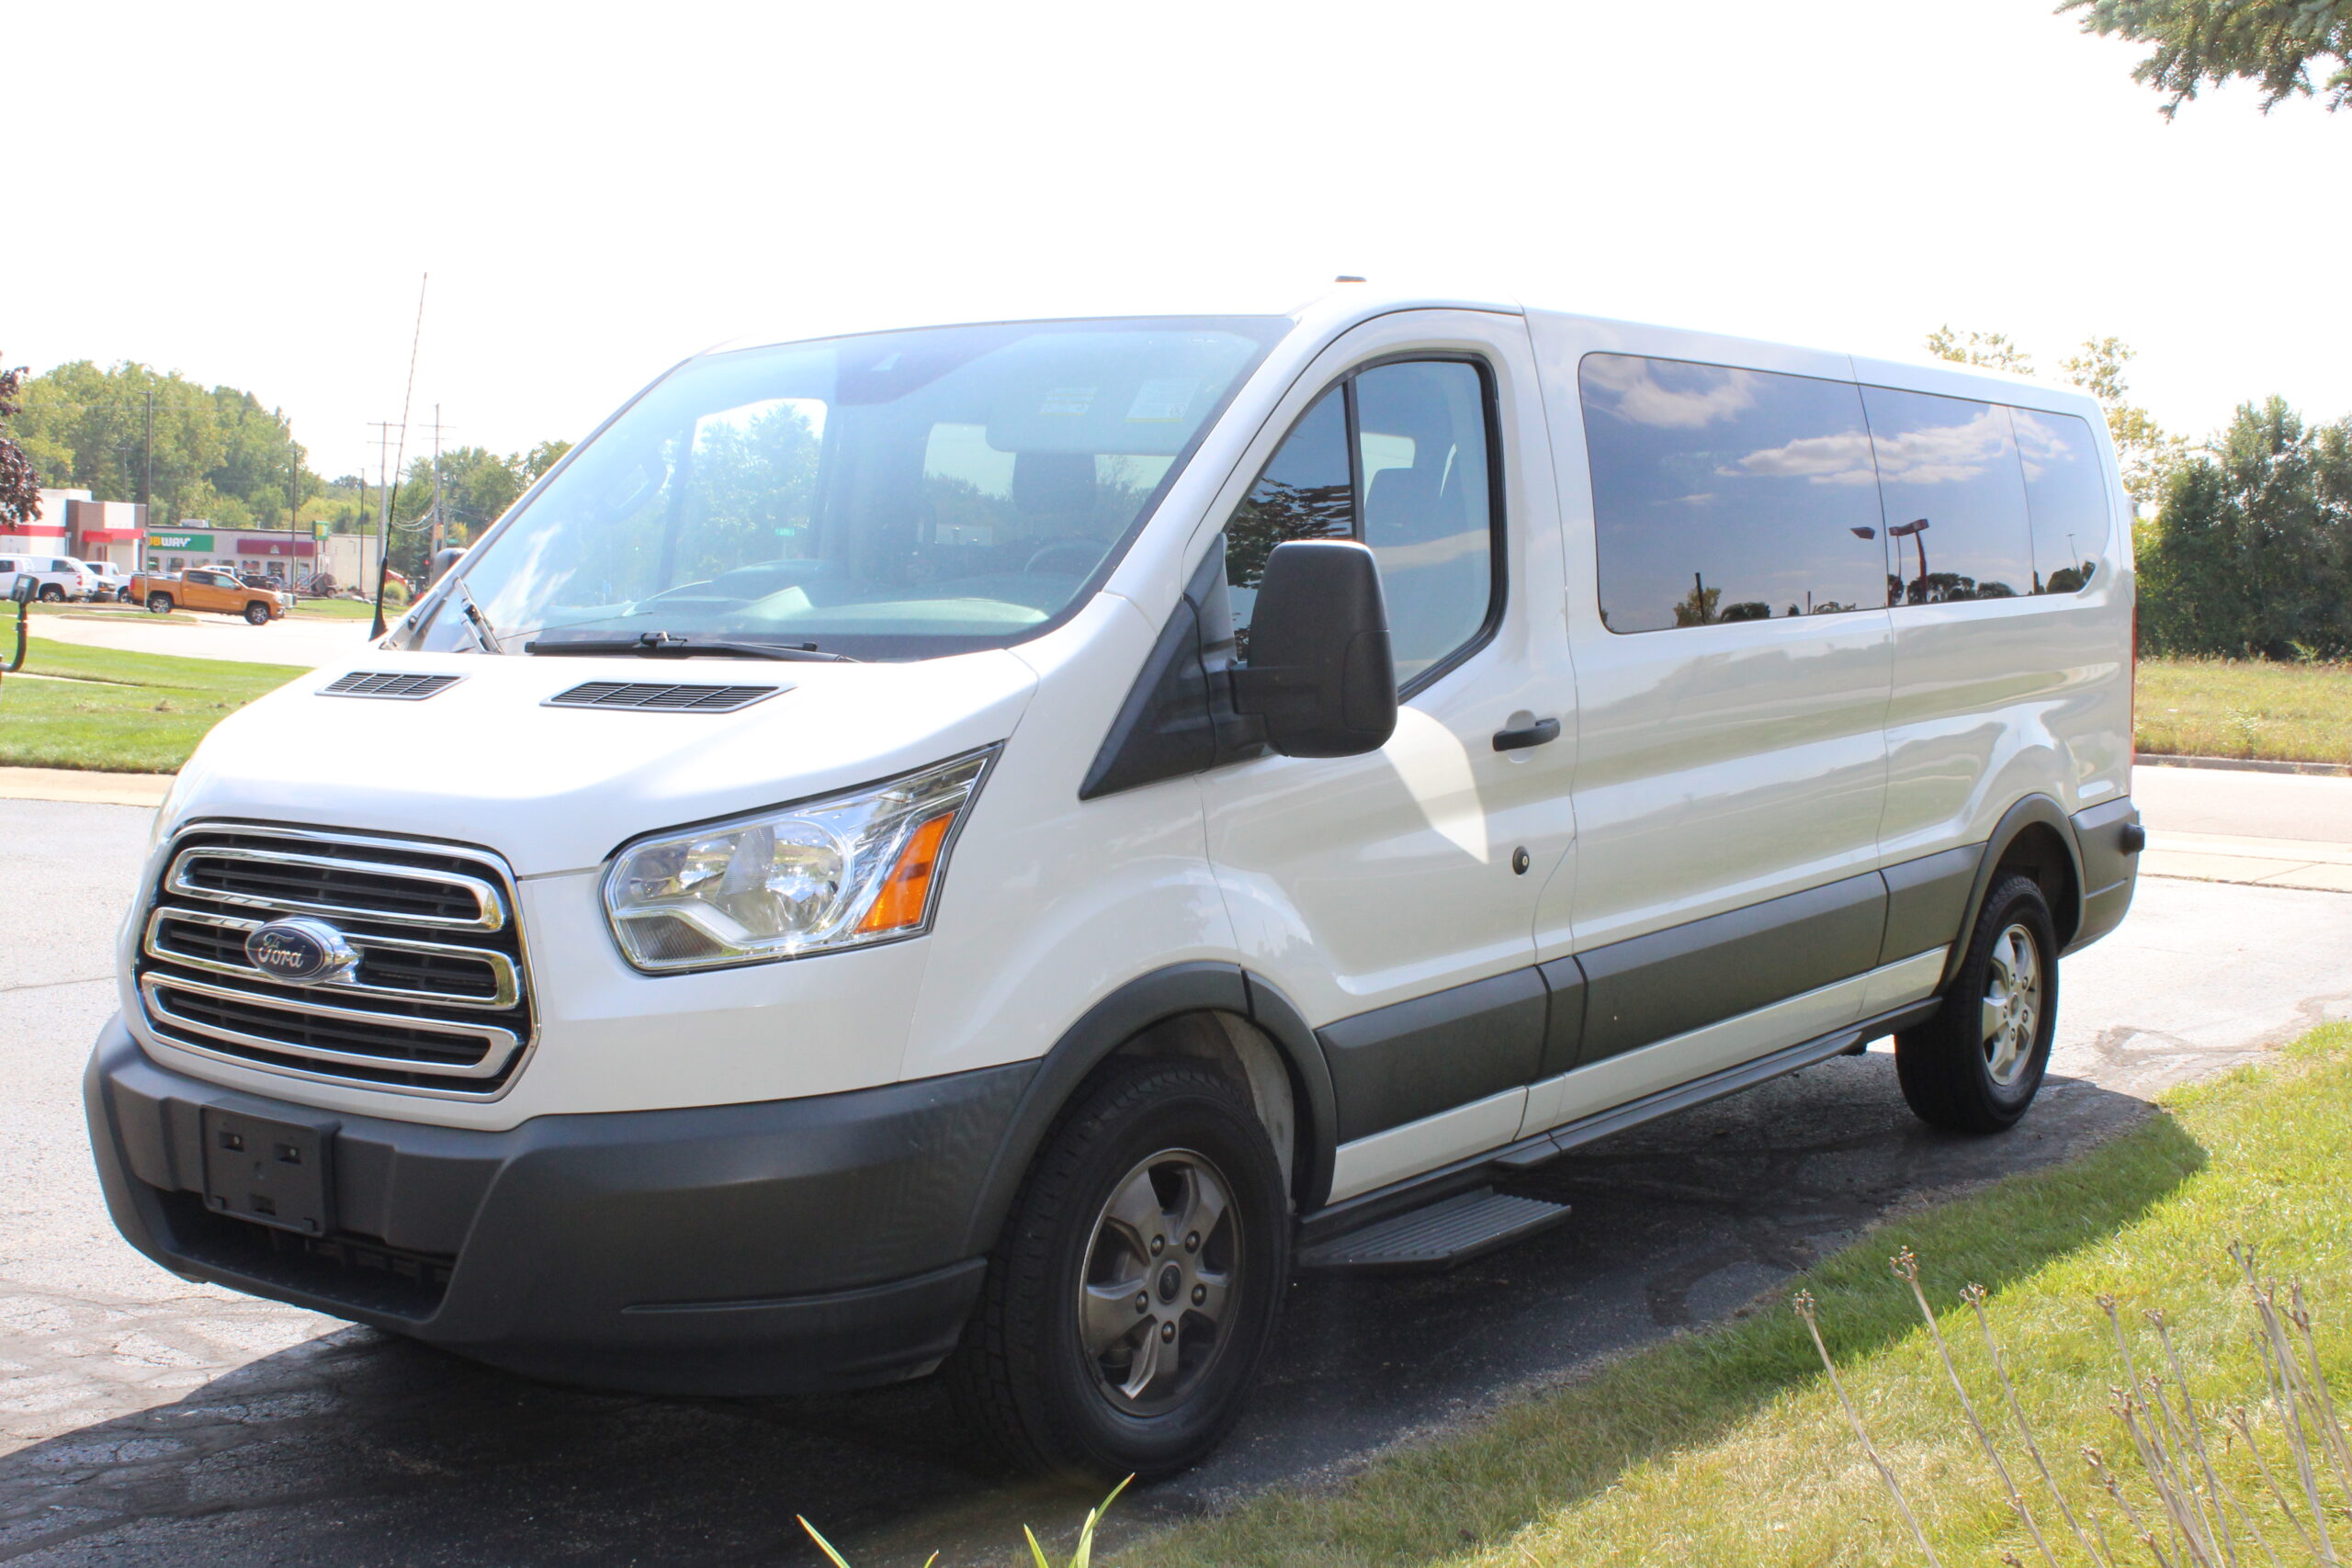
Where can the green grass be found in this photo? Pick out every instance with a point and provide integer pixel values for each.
(123, 713)
(1725, 1446)
(341, 609)
(2245, 708)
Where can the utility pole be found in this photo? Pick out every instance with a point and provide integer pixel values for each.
(147, 485)
(440, 525)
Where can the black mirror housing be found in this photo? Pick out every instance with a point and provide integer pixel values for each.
(1321, 675)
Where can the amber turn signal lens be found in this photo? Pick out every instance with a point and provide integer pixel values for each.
(908, 890)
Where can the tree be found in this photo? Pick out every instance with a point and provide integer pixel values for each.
(19, 485)
(2201, 43)
(2252, 554)
(2144, 450)
(1994, 351)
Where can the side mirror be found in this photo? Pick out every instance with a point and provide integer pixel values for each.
(1320, 674)
(443, 560)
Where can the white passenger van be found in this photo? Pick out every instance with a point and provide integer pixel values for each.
(990, 846)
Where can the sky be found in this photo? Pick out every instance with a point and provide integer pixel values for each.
(251, 194)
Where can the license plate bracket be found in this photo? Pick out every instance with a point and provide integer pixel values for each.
(269, 1171)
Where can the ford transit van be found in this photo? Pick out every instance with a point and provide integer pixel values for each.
(989, 847)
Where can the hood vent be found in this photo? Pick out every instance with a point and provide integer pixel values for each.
(406, 688)
(655, 698)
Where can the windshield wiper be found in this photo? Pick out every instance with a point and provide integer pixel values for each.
(670, 645)
(481, 628)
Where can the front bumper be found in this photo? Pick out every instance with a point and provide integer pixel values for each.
(785, 1247)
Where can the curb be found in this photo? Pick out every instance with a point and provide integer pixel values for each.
(2244, 765)
(74, 788)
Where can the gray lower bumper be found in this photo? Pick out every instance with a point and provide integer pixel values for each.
(785, 1246)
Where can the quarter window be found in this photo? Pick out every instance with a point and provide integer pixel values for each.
(2066, 496)
(1953, 498)
(1395, 457)
(1723, 494)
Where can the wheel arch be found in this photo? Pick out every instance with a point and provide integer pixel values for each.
(1151, 1015)
(2036, 838)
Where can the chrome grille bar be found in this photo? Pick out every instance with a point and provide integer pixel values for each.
(490, 907)
(507, 984)
(498, 1043)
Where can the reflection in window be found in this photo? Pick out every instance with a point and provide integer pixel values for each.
(2066, 496)
(1306, 493)
(1724, 495)
(1954, 502)
(1412, 486)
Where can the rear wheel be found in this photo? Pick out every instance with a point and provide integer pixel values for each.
(159, 604)
(1976, 1066)
(1135, 1291)
(50, 594)
(257, 614)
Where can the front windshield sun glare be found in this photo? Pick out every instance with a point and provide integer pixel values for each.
(894, 496)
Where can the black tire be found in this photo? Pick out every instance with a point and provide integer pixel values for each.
(50, 594)
(124, 596)
(257, 614)
(1976, 1066)
(159, 604)
(1025, 1377)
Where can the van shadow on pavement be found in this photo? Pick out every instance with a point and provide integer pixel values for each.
(360, 1448)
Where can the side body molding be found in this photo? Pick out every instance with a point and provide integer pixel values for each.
(1118, 1018)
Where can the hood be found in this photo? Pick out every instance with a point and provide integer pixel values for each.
(485, 762)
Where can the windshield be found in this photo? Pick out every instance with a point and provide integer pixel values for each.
(897, 495)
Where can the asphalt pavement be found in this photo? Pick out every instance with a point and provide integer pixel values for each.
(152, 1421)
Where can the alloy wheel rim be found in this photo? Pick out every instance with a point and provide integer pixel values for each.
(2012, 1005)
(1161, 1267)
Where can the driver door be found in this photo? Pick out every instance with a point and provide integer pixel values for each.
(1392, 897)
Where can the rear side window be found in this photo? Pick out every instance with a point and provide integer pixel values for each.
(2065, 497)
(1721, 494)
(1953, 498)
(1397, 456)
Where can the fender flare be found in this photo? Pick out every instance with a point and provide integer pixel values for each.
(2031, 811)
(1151, 999)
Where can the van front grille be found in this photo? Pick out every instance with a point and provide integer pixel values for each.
(437, 1002)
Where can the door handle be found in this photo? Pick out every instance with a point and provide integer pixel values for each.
(1535, 734)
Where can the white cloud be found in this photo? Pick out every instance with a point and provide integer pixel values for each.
(1944, 454)
(1841, 459)
(1701, 395)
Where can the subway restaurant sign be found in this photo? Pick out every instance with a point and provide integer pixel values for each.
(179, 541)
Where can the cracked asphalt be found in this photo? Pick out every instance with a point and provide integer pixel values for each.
(146, 1420)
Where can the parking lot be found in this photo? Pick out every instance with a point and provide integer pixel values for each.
(152, 1421)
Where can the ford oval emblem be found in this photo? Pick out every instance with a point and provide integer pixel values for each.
(302, 951)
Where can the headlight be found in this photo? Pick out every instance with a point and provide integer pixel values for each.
(845, 871)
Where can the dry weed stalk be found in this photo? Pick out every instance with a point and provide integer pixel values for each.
(2195, 1519)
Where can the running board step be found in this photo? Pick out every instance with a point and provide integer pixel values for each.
(1438, 1236)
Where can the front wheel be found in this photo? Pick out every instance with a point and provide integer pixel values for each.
(1135, 1288)
(257, 614)
(1976, 1066)
(124, 596)
(159, 604)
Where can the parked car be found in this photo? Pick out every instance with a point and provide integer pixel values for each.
(60, 576)
(113, 582)
(1188, 799)
(206, 588)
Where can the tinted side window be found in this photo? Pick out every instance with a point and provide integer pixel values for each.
(1954, 498)
(1395, 457)
(2066, 496)
(1421, 450)
(1307, 492)
(1721, 494)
